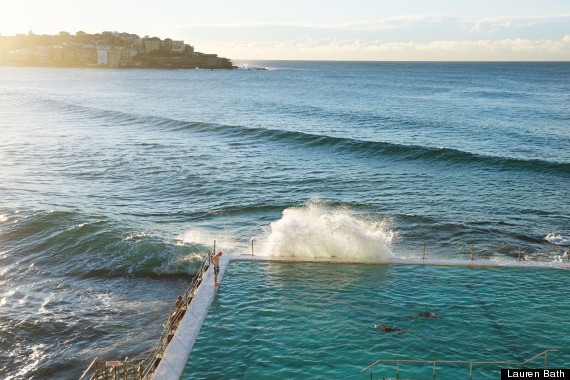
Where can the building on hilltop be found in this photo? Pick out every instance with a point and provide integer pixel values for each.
(167, 45)
(20, 55)
(151, 44)
(127, 55)
(109, 56)
(178, 47)
(173, 46)
(102, 56)
(114, 57)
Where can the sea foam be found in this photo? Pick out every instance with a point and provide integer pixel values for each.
(558, 239)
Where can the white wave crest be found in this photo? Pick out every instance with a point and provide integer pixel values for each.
(319, 231)
(558, 239)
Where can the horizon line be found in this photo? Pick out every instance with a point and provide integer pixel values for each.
(402, 61)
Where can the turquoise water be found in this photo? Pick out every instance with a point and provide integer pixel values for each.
(300, 321)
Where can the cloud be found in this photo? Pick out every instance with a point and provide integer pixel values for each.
(307, 47)
(416, 22)
(513, 27)
(423, 37)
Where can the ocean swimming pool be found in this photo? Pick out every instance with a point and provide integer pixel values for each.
(316, 320)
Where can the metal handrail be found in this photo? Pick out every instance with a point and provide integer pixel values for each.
(473, 257)
(91, 366)
(470, 362)
(144, 368)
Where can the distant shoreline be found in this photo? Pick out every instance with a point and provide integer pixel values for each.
(104, 50)
(3, 64)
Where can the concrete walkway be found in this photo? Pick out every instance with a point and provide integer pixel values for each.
(176, 356)
(478, 262)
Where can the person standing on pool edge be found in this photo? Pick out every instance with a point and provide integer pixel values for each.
(216, 262)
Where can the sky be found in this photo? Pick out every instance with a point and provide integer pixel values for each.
(369, 30)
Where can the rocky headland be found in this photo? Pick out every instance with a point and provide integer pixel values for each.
(107, 49)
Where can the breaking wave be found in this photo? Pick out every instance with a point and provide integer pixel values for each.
(317, 230)
(557, 239)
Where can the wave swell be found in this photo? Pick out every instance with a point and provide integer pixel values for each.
(311, 140)
(94, 246)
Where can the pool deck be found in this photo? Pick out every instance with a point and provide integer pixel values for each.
(176, 355)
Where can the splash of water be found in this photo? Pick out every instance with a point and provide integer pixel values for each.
(196, 236)
(557, 239)
(319, 231)
(206, 239)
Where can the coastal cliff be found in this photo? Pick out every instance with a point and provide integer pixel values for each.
(107, 49)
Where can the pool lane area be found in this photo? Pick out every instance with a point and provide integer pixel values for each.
(299, 320)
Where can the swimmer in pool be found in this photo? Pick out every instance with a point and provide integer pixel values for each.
(390, 329)
(427, 314)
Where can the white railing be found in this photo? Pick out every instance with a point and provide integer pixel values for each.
(440, 362)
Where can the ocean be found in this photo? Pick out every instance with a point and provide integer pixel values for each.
(114, 183)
